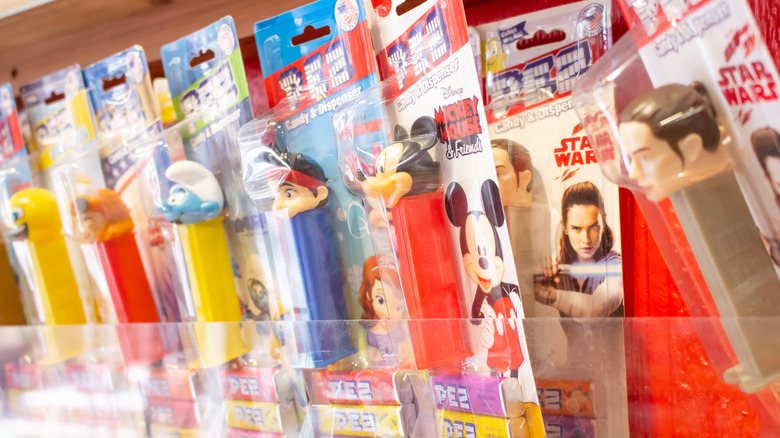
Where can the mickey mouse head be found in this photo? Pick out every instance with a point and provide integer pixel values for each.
(479, 242)
(405, 167)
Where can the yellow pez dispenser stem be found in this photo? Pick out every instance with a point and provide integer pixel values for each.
(36, 219)
(195, 203)
(11, 312)
(213, 291)
(35, 216)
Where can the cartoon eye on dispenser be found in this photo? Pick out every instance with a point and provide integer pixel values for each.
(496, 303)
(405, 167)
(197, 197)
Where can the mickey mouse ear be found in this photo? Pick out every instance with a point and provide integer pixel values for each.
(456, 204)
(400, 133)
(424, 132)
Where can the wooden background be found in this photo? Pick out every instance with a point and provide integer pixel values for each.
(40, 40)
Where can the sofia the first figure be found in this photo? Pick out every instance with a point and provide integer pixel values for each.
(383, 310)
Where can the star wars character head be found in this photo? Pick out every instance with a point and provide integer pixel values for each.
(514, 172)
(766, 144)
(297, 183)
(405, 168)
(672, 139)
(586, 237)
(197, 196)
(479, 241)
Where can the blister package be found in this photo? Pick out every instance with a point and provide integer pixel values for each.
(15, 175)
(516, 62)
(62, 123)
(693, 143)
(314, 59)
(186, 184)
(416, 148)
(207, 79)
(126, 110)
(563, 214)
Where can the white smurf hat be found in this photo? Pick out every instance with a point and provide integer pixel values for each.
(197, 179)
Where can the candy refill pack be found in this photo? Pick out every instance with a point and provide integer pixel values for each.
(683, 111)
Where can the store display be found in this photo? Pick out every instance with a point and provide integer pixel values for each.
(360, 260)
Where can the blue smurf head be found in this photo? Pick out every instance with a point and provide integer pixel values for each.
(197, 196)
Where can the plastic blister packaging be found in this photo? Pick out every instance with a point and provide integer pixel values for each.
(393, 170)
(681, 140)
(99, 220)
(516, 65)
(301, 204)
(62, 122)
(211, 86)
(15, 175)
(61, 118)
(126, 111)
(563, 214)
(314, 59)
(187, 202)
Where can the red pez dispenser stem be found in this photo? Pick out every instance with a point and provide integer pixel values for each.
(127, 280)
(429, 281)
(132, 299)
